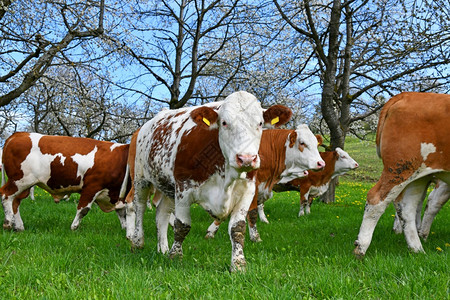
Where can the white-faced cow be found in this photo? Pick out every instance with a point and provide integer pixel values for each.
(413, 142)
(337, 163)
(285, 154)
(62, 165)
(203, 154)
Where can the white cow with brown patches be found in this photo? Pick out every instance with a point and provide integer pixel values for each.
(203, 154)
(413, 142)
(62, 165)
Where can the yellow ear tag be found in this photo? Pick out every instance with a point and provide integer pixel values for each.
(275, 120)
(206, 121)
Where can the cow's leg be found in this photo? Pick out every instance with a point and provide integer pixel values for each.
(131, 214)
(18, 223)
(212, 229)
(122, 215)
(308, 205)
(261, 214)
(32, 193)
(437, 198)
(398, 223)
(10, 192)
(303, 203)
(412, 197)
(236, 228)
(141, 193)
(87, 197)
(375, 207)
(163, 213)
(398, 226)
(252, 217)
(181, 226)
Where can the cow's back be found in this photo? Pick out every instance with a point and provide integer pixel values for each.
(413, 132)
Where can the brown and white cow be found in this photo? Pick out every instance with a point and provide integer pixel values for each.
(62, 165)
(337, 163)
(203, 154)
(285, 154)
(413, 142)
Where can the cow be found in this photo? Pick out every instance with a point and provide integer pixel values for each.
(436, 200)
(204, 154)
(337, 163)
(285, 154)
(62, 165)
(413, 143)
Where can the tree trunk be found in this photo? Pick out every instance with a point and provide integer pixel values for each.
(329, 195)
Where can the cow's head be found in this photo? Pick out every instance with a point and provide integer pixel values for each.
(344, 162)
(240, 120)
(301, 153)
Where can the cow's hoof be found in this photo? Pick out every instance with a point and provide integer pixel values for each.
(7, 226)
(209, 235)
(358, 253)
(256, 239)
(19, 229)
(176, 251)
(239, 265)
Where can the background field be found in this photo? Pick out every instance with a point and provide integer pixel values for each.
(309, 257)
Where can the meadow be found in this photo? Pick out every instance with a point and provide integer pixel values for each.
(300, 258)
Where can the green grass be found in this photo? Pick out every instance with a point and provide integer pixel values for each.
(299, 258)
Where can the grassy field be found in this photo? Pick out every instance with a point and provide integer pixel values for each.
(299, 258)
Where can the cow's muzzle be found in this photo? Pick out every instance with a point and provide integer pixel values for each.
(247, 162)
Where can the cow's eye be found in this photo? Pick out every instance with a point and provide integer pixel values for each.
(224, 123)
(260, 124)
(302, 144)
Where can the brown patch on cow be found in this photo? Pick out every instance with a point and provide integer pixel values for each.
(282, 112)
(293, 139)
(199, 114)
(180, 230)
(198, 155)
(252, 217)
(16, 149)
(238, 233)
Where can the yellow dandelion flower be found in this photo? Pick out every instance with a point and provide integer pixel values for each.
(439, 249)
(447, 245)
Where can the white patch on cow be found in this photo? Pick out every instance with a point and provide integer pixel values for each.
(36, 166)
(114, 146)
(84, 162)
(426, 149)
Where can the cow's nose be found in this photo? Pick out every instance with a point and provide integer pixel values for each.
(320, 164)
(356, 165)
(246, 161)
(305, 173)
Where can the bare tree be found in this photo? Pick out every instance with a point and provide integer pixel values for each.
(363, 49)
(34, 33)
(173, 42)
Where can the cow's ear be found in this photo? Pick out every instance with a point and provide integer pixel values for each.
(276, 115)
(205, 117)
(292, 138)
(319, 140)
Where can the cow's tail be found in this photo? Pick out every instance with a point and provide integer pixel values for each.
(123, 188)
(383, 116)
